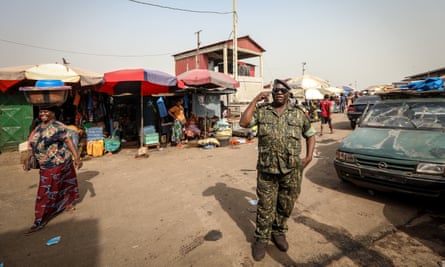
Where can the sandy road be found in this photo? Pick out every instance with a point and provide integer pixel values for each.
(190, 207)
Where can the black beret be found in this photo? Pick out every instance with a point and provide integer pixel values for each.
(277, 83)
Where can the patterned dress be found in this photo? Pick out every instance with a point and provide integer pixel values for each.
(58, 182)
(178, 124)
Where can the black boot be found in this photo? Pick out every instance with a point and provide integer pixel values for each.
(280, 241)
(259, 250)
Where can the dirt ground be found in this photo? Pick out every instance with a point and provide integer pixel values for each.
(191, 207)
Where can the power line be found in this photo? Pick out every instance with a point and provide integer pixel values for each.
(181, 9)
(114, 55)
(81, 53)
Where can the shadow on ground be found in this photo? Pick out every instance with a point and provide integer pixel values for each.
(235, 203)
(85, 184)
(77, 247)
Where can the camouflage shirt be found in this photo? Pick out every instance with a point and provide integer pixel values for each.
(279, 138)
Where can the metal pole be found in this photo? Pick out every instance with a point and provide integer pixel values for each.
(141, 139)
(198, 42)
(235, 42)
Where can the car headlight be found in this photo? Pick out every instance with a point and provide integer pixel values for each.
(344, 156)
(431, 168)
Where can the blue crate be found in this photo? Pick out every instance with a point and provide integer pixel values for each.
(149, 129)
(95, 133)
(152, 138)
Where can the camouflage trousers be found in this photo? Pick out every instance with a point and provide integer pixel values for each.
(277, 194)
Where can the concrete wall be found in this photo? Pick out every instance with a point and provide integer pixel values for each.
(249, 88)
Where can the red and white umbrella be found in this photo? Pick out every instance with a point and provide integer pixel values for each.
(142, 82)
(208, 79)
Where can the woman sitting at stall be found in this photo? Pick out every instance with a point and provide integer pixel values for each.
(113, 143)
(191, 127)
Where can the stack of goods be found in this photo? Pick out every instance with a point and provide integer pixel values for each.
(151, 137)
(95, 141)
(166, 129)
(223, 132)
(208, 143)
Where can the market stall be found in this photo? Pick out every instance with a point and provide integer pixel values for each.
(207, 89)
(132, 92)
(14, 104)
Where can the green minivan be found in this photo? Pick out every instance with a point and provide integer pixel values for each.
(399, 145)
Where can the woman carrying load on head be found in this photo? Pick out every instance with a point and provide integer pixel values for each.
(55, 151)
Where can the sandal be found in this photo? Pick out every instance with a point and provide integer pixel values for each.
(70, 208)
(34, 229)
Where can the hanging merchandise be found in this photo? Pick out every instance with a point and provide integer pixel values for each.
(97, 111)
(186, 102)
(186, 106)
(105, 114)
(90, 108)
(76, 100)
(162, 108)
(149, 115)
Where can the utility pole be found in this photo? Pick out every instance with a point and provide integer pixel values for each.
(304, 63)
(198, 43)
(235, 42)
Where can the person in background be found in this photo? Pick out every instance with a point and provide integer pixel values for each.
(191, 127)
(75, 134)
(348, 100)
(342, 102)
(327, 107)
(279, 166)
(177, 113)
(227, 113)
(57, 155)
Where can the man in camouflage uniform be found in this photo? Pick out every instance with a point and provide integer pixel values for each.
(281, 126)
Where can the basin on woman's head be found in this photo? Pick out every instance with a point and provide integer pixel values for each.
(46, 92)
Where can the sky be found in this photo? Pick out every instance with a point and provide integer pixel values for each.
(358, 43)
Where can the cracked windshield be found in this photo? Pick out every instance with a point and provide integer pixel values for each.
(423, 115)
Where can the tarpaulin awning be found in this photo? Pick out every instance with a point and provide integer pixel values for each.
(10, 76)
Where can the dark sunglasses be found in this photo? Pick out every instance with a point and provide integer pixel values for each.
(283, 90)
